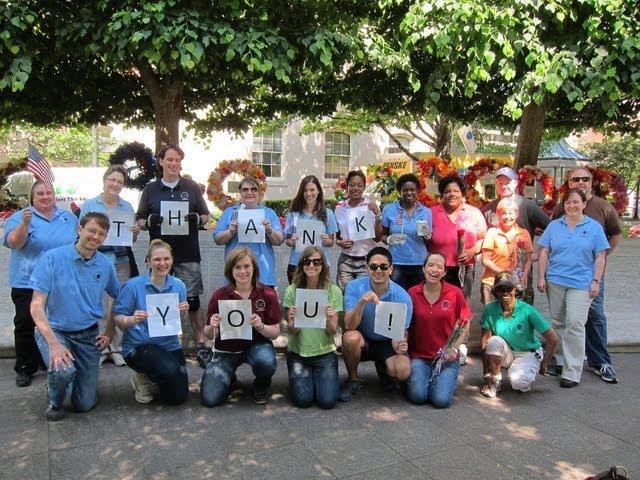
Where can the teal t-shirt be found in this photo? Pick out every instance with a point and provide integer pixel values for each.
(519, 331)
(310, 342)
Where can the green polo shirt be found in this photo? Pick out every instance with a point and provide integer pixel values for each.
(519, 331)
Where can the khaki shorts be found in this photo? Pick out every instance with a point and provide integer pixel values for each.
(191, 275)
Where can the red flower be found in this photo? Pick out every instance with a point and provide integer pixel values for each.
(460, 233)
(521, 244)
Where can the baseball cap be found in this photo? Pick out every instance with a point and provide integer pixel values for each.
(505, 279)
(507, 172)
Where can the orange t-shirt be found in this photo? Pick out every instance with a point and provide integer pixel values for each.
(502, 248)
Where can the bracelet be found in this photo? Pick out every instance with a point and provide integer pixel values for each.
(263, 327)
(378, 217)
(595, 280)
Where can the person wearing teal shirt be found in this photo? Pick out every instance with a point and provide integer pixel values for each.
(509, 338)
(68, 283)
(311, 355)
(29, 233)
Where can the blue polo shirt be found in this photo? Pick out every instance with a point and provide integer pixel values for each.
(97, 205)
(573, 252)
(43, 235)
(398, 220)
(262, 251)
(330, 227)
(74, 286)
(395, 293)
(132, 297)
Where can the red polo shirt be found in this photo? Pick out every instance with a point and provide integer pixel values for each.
(264, 302)
(433, 323)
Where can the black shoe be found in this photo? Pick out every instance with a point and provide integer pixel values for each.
(260, 397)
(23, 379)
(555, 370)
(54, 414)
(566, 383)
(387, 382)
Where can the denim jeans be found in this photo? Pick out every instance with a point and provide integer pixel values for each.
(166, 369)
(83, 374)
(217, 375)
(438, 391)
(407, 275)
(596, 332)
(311, 377)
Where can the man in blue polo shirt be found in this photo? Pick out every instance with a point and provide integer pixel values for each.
(68, 283)
(359, 342)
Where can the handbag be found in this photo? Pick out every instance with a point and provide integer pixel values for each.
(614, 473)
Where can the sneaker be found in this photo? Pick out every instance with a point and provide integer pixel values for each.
(555, 370)
(462, 352)
(491, 386)
(117, 359)
(141, 388)
(23, 379)
(606, 372)
(54, 414)
(387, 382)
(348, 390)
(260, 397)
(566, 383)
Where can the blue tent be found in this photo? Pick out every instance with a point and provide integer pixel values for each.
(561, 150)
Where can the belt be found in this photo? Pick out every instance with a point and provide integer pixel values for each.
(76, 332)
(354, 258)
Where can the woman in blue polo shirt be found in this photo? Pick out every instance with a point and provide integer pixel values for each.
(29, 233)
(406, 227)
(108, 202)
(308, 204)
(157, 361)
(570, 267)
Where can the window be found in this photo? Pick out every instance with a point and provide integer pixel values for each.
(337, 151)
(267, 152)
(404, 141)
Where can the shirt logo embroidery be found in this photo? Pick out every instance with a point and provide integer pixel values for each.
(97, 276)
(445, 305)
(584, 233)
(260, 305)
(184, 196)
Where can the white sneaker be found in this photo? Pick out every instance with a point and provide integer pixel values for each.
(491, 386)
(117, 359)
(462, 351)
(103, 357)
(141, 388)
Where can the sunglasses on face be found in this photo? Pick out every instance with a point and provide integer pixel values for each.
(317, 262)
(248, 189)
(374, 266)
(578, 179)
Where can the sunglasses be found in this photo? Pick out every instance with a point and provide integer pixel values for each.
(248, 189)
(374, 266)
(578, 179)
(317, 262)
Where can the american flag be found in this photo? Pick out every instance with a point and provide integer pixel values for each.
(40, 168)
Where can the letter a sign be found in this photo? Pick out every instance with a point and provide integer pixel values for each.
(250, 227)
(311, 308)
(235, 318)
(164, 316)
(361, 223)
(173, 214)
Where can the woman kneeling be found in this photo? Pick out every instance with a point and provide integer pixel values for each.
(311, 356)
(158, 361)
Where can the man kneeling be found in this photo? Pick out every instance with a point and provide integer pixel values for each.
(359, 342)
(509, 339)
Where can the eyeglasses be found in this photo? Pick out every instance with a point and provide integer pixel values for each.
(115, 180)
(578, 179)
(317, 262)
(249, 189)
(374, 266)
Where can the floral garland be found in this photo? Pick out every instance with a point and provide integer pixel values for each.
(606, 183)
(145, 167)
(8, 202)
(482, 167)
(244, 168)
(433, 168)
(528, 174)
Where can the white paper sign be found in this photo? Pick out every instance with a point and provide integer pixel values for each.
(120, 234)
(164, 316)
(309, 232)
(235, 318)
(250, 227)
(361, 223)
(173, 214)
(390, 320)
(311, 308)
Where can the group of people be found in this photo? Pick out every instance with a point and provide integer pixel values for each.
(78, 303)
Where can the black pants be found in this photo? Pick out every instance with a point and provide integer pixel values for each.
(28, 357)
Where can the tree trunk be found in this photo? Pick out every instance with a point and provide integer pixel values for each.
(442, 145)
(167, 104)
(530, 136)
(635, 203)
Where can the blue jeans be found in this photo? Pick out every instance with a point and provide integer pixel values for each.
(83, 374)
(407, 275)
(313, 376)
(166, 369)
(596, 332)
(438, 391)
(218, 373)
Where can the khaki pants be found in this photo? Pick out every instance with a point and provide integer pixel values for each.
(522, 367)
(569, 308)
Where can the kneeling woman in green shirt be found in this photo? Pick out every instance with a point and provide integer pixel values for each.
(311, 357)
